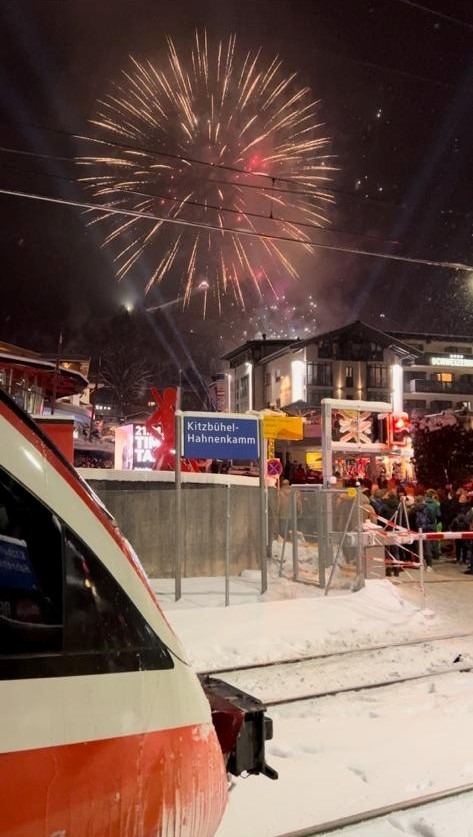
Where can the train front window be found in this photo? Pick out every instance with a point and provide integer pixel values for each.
(62, 612)
(102, 623)
(31, 588)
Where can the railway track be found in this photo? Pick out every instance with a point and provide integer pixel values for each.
(331, 654)
(372, 667)
(333, 826)
(379, 684)
(385, 665)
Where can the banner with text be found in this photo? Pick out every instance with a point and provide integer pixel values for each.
(283, 427)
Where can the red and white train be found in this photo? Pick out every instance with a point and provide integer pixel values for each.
(105, 729)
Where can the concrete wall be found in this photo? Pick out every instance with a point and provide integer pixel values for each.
(143, 505)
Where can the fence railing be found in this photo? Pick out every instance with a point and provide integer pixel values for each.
(312, 533)
(323, 528)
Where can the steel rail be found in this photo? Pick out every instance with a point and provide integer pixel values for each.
(326, 655)
(331, 826)
(367, 686)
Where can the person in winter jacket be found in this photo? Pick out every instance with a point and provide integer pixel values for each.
(389, 510)
(390, 504)
(377, 498)
(366, 508)
(422, 517)
(448, 510)
(460, 523)
(299, 475)
(433, 502)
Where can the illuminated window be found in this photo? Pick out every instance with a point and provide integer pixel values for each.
(445, 377)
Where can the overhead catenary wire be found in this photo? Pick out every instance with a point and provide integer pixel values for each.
(301, 192)
(436, 13)
(205, 205)
(182, 158)
(235, 231)
(414, 5)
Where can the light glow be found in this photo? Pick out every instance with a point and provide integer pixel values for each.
(298, 380)
(397, 387)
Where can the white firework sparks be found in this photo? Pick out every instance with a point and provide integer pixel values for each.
(228, 142)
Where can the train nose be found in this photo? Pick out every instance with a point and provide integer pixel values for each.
(188, 790)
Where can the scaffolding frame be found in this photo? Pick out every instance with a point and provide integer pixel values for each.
(361, 448)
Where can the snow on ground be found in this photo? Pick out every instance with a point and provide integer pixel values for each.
(359, 750)
(287, 629)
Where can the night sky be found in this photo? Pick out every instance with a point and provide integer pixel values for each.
(395, 84)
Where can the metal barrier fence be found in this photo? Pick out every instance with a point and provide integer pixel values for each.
(322, 528)
(221, 534)
(224, 539)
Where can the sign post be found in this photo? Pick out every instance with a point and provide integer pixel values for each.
(263, 507)
(178, 506)
(227, 544)
(220, 436)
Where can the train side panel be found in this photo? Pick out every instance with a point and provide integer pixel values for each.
(105, 740)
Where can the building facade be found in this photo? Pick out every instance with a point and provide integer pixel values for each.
(441, 376)
(246, 382)
(415, 373)
(356, 362)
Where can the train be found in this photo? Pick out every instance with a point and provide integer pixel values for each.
(106, 730)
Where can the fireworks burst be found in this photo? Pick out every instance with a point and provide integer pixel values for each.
(228, 142)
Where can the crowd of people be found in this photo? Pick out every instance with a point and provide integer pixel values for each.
(297, 474)
(446, 509)
(86, 460)
(406, 503)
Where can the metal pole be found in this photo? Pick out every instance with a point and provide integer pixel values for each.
(321, 535)
(262, 510)
(283, 550)
(421, 568)
(360, 568)
(56, 372)
(339, 546)
(295, 545)
(179, 392)
(266, 500)
(227, 548)
(327, 465)
(94, 393)
(178, 505)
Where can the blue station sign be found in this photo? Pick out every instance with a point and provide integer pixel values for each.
(220, 436)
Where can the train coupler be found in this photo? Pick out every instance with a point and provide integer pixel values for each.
(242, 727)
